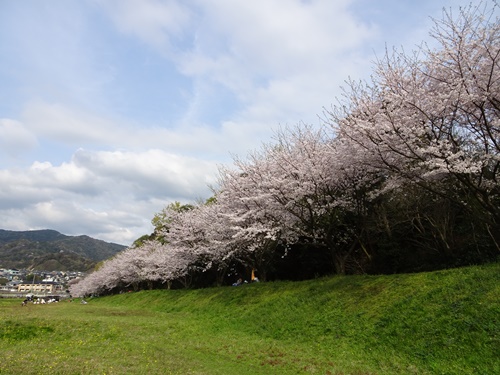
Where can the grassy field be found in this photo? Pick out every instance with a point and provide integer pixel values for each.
(445, 322)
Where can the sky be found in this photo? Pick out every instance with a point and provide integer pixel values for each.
(112, 109)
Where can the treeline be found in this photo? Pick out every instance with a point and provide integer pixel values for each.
(402, 177)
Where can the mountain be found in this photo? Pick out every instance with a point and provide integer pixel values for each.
(32, 235)
(50, 250)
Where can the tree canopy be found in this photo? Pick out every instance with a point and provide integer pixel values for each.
(402, 176)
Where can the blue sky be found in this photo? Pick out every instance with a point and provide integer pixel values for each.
(112, 109)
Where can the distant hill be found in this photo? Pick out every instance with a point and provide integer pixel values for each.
(50, 250)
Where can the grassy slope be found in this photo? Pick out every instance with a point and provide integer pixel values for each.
(444, 322)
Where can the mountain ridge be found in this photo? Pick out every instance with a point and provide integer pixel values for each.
(50, 250)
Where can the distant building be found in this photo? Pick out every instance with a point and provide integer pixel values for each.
(7, 288)
(14, 283)
(37, 288)
(10, 274)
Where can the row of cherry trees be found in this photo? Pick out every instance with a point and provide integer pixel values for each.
(403, 176)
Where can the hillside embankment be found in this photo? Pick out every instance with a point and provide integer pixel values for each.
(445, 322)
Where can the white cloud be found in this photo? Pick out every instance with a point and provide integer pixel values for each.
(64, 124)
(15, 138)
(273, 36)
(71, 218)
(153, 173)
(263, 49)
(152, 21)
(258, 50)
(74, 128)
(112, 195)
(114, 225)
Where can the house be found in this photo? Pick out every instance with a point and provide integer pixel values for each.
(10, 274)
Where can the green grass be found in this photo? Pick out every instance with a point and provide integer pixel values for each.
(445, 322)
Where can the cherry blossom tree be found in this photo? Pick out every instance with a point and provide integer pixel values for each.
(299, 189)
(165, 264)
(424, 131)
(434, 115)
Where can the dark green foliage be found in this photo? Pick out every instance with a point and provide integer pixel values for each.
(415, 230)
